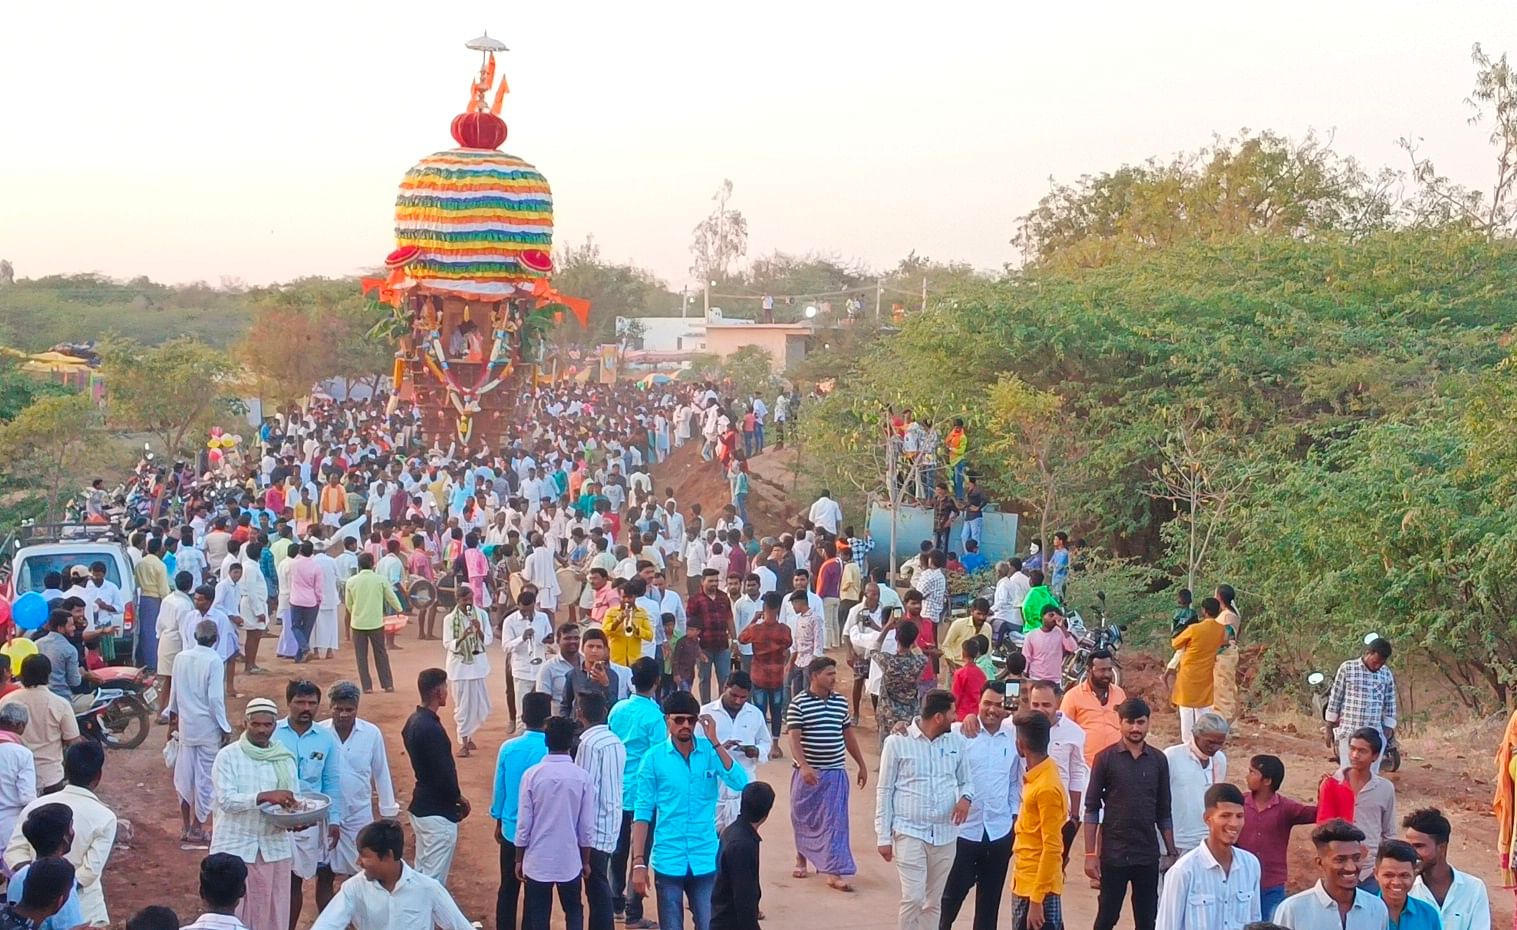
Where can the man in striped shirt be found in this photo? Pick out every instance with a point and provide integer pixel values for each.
(924, 793)
(821, 729)
(604, 756)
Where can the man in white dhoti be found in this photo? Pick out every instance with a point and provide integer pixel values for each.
(542, 571)
(465, 634)
(743, 731)
(324, 639)
(365, 774)
(197, 712)
(253, 606)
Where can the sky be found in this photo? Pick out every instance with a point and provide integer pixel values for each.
(202, 141)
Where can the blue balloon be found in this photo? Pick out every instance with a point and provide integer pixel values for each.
(30, 611)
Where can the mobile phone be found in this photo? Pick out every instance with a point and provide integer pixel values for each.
(1012, 696)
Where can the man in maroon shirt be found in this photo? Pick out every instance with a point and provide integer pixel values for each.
(709, 620)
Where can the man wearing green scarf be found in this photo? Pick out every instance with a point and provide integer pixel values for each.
(1038, 597)
(251, 771)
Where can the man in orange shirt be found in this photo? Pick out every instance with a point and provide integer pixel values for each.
(334, 502)
(1092, 704)
(1037, 881)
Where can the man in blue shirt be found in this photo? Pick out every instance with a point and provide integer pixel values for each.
(639, 723)
(318, 763)
(678, 783)
(50, 831)
(1396, 864)
(516, 756)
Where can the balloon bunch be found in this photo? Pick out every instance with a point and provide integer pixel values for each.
(221, 440)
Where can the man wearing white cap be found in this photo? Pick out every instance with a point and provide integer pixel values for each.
(251, 771)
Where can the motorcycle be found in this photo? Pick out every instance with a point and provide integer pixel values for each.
(1106, 635)
(119, 714)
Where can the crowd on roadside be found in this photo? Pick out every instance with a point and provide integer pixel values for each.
(654, 657)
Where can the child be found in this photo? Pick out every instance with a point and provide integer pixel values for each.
(985, 662)
(969, 680)
(680, 654)
(1184, 616)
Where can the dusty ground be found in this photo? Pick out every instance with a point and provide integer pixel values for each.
(1452, 772)
(155, 871)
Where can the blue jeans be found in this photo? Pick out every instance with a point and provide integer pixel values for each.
(740, 501)
(721, 661)
(598, 891)
(673, 891)
(302, 621)
(749, 446)
(971, 531)
(958, 478)
(758, 437)
(1269, 899)
(772, 702)
(538, 904)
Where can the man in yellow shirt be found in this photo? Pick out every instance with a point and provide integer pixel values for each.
(1037, 880)
(627, 626)
(964, 629)
(152, 587)
(1197, 646)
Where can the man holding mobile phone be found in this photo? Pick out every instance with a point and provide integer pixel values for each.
(742, 730)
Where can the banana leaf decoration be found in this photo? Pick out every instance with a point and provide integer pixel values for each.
(394, 324)
(539, 322)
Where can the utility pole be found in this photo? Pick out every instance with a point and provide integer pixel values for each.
(879, 290)
(924, 293)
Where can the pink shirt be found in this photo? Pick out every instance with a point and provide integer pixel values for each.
(305, 582)
(1045, 653)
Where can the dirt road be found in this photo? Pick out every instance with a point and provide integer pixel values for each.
(154, 870)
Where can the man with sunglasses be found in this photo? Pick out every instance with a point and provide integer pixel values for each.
(676, 789)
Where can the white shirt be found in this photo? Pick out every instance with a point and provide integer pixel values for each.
(1011, 591)
(826, 515)
(744, 611)
(1197, 895)
(365, 770)
(657, 605)
(18, 784)
(417, 902)
(604, 756)
(241, 828)
(526, 656)
(1188, 781)
(750, 729)
(329, 577)
(788, 616)
(94, 835)
(199, 696)
(695, 557)
(1066, 746)
(172, 614)
(768, 580)
(1313, 909)
(1467, 906)
(920, 781)
(540, 570)
(998, 771)
(479, 666)
(109, 592)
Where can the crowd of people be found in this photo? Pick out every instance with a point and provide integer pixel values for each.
(654, 657)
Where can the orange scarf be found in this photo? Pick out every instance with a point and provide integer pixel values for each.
(1503, 802)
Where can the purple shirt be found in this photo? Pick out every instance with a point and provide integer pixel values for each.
(555, 819)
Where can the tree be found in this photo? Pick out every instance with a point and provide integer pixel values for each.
(1039, 450)
(1253, 183)
(1199, 475)
(173, 391)
(750, 369)
(719, 240)
(52, 441)
(1440, 201)
(613, 289)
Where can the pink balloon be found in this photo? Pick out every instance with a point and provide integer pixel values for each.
(215, 456)
(5, 611)
(216, 431)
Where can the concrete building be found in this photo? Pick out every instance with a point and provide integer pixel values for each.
(786, 343)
